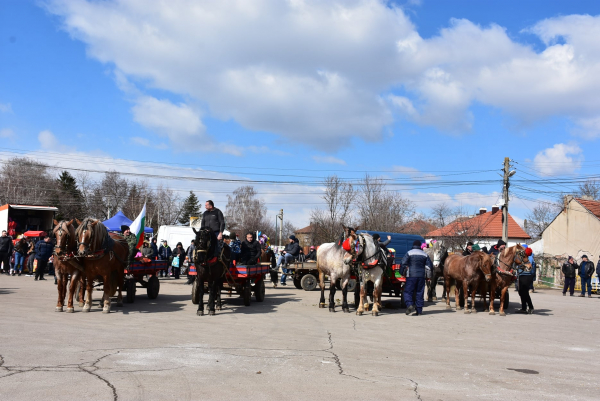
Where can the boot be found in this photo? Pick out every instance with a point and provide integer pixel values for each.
(589, 295)
(581, 295)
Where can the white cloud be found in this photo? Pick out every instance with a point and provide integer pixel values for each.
(329, 160)
(6, 133)
(322, 72)
(48, 141)
(560, 159)
(6, 108)
(414, 174)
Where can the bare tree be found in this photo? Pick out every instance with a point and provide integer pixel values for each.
(590, 188)
(440, 214)
(26, 181)
(166, 207)
(245, 212)
(540, 217)
(339, 197)
(381, 209)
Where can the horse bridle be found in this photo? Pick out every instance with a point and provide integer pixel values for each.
(86, 245)
(204, 250)
(518, 253)
(60, 232)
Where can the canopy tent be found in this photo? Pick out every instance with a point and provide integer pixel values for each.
(118, 220)
(34, 234)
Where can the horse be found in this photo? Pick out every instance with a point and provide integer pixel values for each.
(504, 273)
(210, 267)
(64, 265)
(438, 254)
(372, 268)
(104, 255)
(334, 261)
(466, 270)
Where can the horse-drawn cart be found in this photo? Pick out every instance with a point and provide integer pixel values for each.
(244, 280)
(137, 272)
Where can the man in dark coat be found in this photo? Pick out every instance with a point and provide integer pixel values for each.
(569, 269)
(250, 250)
(213, 219)
(43, 251)
(131, 243)
(6, 249)
(416, 266)
(290, 253)
(469, 249)
(499, 247)
(154, 249)
(586, 271)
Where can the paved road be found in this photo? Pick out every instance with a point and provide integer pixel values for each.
(287, 348)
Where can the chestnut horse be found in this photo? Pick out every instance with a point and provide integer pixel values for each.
(65, 265)
(105, 256)
(335, 262)
(466, 270)
(372, 268)
(211, 268)
(504, 265)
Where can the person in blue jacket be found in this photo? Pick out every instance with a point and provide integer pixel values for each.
(416, 267)
(525, 279)
(43, 251)
(586, 271)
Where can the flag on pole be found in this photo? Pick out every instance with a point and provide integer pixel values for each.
(137, 227)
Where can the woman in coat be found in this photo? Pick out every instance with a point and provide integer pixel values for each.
(179, 253)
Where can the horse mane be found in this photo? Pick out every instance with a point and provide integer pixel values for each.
(99, 232)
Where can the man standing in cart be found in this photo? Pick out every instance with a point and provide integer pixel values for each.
(213, 219)
(131, 242)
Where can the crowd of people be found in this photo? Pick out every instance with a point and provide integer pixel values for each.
(31, 254)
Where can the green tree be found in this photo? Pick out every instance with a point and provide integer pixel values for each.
(68, 198)
(190, 208)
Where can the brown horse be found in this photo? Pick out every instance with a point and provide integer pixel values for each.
(504, 273)
(466, 270)
(104, 256)
(65, 265)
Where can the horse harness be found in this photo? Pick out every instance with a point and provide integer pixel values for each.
(510, 273)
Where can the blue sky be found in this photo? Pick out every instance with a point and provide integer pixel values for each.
(409, 90)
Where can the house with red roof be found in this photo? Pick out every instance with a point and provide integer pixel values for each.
(575, 230)
(484, 229)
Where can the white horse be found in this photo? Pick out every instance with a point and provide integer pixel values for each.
(372, 268)
(438, 254)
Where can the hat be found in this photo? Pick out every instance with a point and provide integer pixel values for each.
(584, 256)
(124, 228)
(292, 237)
(376, 236)
(528, 252)
(500, 243)
(476, 247)
(312, 247)
(417, 243)
(469, 243)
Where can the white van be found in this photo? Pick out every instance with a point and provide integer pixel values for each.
(175, 234)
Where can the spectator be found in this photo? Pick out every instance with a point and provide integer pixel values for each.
(30, 257)
(469, 249)
(415, 264)
(178, 258)
(165, 253)
(382, 244)
(499, 247)
(190, 259)
(6, 250)
(154, 249)
(235, 246)
(289, 254)
(250, 250)
(586, 271)
(43, 251)
(213, 219)
(525, 282)
(20, 252)
(301, 256)
(569, 269)
(312, 255)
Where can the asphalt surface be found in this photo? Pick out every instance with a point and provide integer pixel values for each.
(288, 348)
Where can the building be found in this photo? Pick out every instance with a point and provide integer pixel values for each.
(305, 236)
(574, 231)
(484, 229)
(417, 227)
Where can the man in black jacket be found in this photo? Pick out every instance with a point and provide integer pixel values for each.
(469, 249)
(43, 251)
(586, 271)
(213, 219)
(290, 253)
(6, 249)
(250, 251)
(569, 269)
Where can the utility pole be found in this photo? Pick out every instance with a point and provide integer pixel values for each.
(507, 174)
(280, 217)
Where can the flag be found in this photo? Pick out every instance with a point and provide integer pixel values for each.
(137, 227)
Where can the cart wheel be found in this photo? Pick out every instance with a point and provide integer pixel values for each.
(297, 283)
(130, 285)
(195, 292)
(308, 282)
(259, 291)
(397, 292)
(153, 287)
(247, 293)
(506, 297)
(351, 285)
(402, 300)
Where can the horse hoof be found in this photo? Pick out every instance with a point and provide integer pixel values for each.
(211, 313)
(331, 309)
(375, 313)
(473, 311)
(346, 310)
(58, 309)
(219, 308)
(359, 313)
(321, 305)
(459, 308)
(502, 314)
(467, 311)
(435, 298)
(106, 310)
(70, 310)
(85, 309)
(448, 307)
(492, 313)
(81, 304)
(200, 313)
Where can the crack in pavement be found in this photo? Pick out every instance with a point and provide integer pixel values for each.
(414, 384)
(354, 324)
(337, 361)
